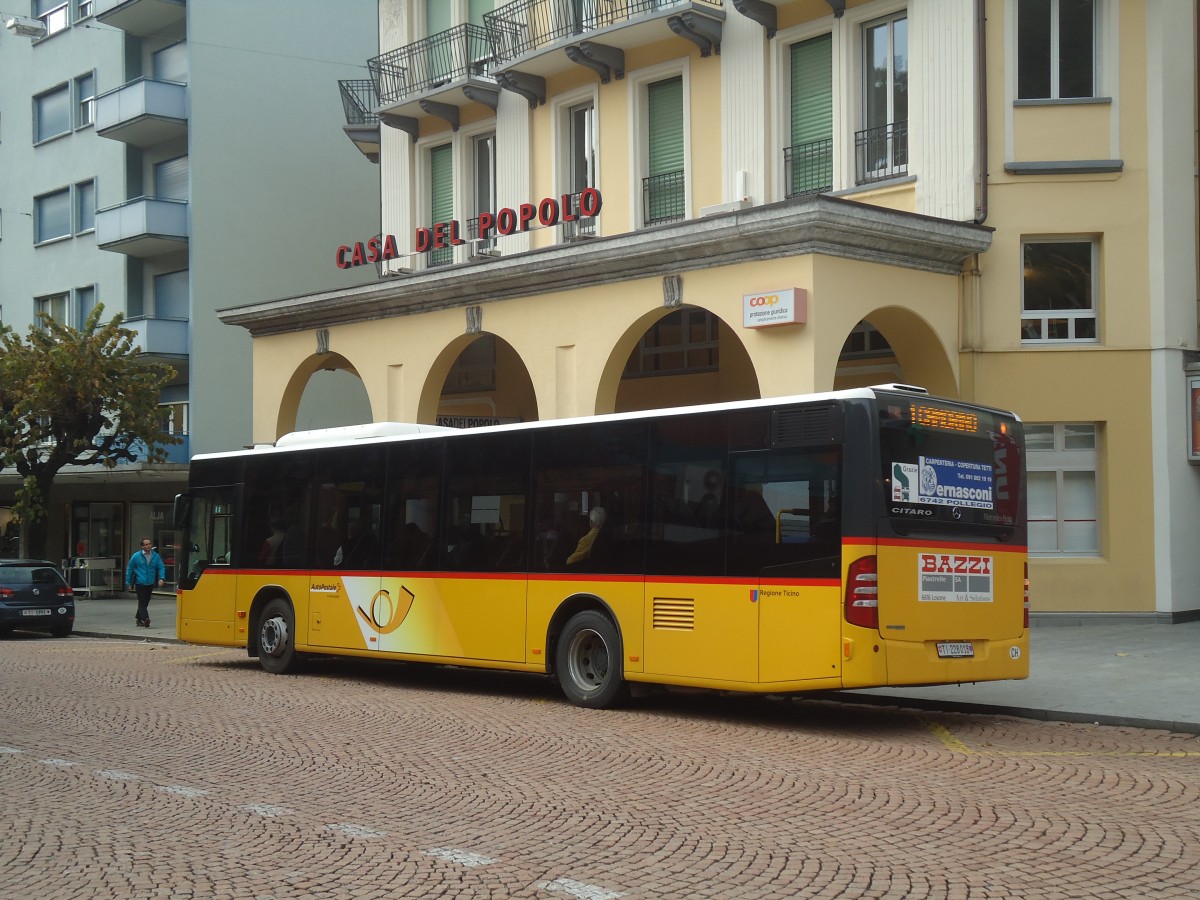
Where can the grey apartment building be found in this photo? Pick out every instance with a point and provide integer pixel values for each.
(168, 159)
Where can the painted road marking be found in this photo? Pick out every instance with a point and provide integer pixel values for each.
(269, 811)
(60, 763)
(10, 750)
(462, 857)
(955, 745)
(184, 791)
(116, 775)
(578, 889)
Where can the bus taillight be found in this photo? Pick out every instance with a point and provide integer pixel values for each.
(862, 593)
(1026, 595)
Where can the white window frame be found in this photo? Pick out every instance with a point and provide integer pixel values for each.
(77, 210)
(1061, 461)
(83, 9)
(561, 109)
(175, 417)
(638, 84)
(1072, 316)
(1098, 15)
(50, 304)
(781, 57)
(78, 316)
(59, 14)
(84, 115)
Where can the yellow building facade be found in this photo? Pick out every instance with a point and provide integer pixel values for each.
(585, 202)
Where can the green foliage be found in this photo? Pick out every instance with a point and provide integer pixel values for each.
(76, 397)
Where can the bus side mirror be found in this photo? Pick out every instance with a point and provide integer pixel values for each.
(183, 510)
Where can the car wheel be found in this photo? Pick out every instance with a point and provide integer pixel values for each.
(277, 637)
(588, 661)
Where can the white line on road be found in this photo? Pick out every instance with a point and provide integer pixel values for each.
(578, 889)
(60, 763)
(10, 750)
(116, 775)
(462, 857)
(269, 811)
(184, 791)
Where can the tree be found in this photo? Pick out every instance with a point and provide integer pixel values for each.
(74, 398)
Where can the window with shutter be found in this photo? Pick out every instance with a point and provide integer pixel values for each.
(663, 189)
(809, 160)
(441, 196)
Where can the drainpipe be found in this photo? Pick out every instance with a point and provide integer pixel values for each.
(981, 209)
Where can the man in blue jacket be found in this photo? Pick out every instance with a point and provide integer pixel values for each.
(144, 573)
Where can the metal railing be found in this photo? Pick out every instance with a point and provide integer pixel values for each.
(448, 56)
(583, 227)
(522, 26)
(359, 99)
(663, 198)
(808, 168)
(881, 153)
(480, 245)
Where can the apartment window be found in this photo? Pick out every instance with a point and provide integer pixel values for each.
(83, 9)
(881, 148)
(581, 164)
(173, 418)
(85, 302)
(663, 189)
(53, 14)
(171, 179)
(1058, 301)
(52, 113)
(54, 306)
(1056, 49)
(85, 206)
(684, 342)
(441, 197)
(1062, 461)
(865, 341)
(808, 161)
(85, 100)
(171, 293)
(483, 175)
(52, 216)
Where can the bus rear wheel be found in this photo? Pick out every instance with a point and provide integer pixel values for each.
(277, 637)
(588, 661)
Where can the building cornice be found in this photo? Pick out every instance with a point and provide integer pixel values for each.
(822, 225)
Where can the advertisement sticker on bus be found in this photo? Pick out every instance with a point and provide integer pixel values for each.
(943, 482)
(954, 578)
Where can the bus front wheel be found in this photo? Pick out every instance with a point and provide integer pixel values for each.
(588, 661)
(277, 637)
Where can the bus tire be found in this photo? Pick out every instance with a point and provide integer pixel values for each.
(588, 661)
(277, 637)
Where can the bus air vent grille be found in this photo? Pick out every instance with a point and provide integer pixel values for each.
(674, 613)
(806, 426)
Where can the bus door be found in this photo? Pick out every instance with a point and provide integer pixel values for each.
(784, 534)
(207, 579)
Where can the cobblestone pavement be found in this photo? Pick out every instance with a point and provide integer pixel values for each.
(148, 770)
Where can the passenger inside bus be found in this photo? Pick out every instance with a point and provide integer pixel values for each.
(583, 549)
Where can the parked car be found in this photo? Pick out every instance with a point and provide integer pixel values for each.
(35, 596)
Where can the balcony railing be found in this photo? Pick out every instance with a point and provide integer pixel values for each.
(881, 153)
(663, 198)
(143, 112)
(359, 100)
(808, 168)
(446, 57)
(159, 337)
(143, 226)
(583, 227)
(523, 26)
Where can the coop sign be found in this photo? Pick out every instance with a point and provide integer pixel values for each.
(786, 306)
(546, 213)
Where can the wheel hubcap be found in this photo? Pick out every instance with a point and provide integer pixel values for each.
(274, 636)
(588, 660)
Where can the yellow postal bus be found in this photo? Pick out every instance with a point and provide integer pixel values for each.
(850, 539)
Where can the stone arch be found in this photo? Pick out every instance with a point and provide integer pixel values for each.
(918, 355)
(337, 404)
(510, 397)
(734, 378)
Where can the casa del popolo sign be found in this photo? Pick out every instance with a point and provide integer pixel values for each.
(547, 212)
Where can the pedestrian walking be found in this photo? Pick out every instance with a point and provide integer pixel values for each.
(144, 573)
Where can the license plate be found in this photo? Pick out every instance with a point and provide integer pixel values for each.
(35, 612)
(955, 649)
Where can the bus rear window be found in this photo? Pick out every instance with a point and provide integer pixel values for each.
(949, 466)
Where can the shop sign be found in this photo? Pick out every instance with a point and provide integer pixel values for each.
(474, 421)
(788, 306)
(547, 212)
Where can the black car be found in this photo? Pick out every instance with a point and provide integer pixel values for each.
(34, 595)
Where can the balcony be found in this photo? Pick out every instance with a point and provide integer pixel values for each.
(359, 100)
(533, 36)
(143, 227)
(808, 168)
(881, 153)
(159, 337)
(143, 112)
(142, 18)
(436, 76)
